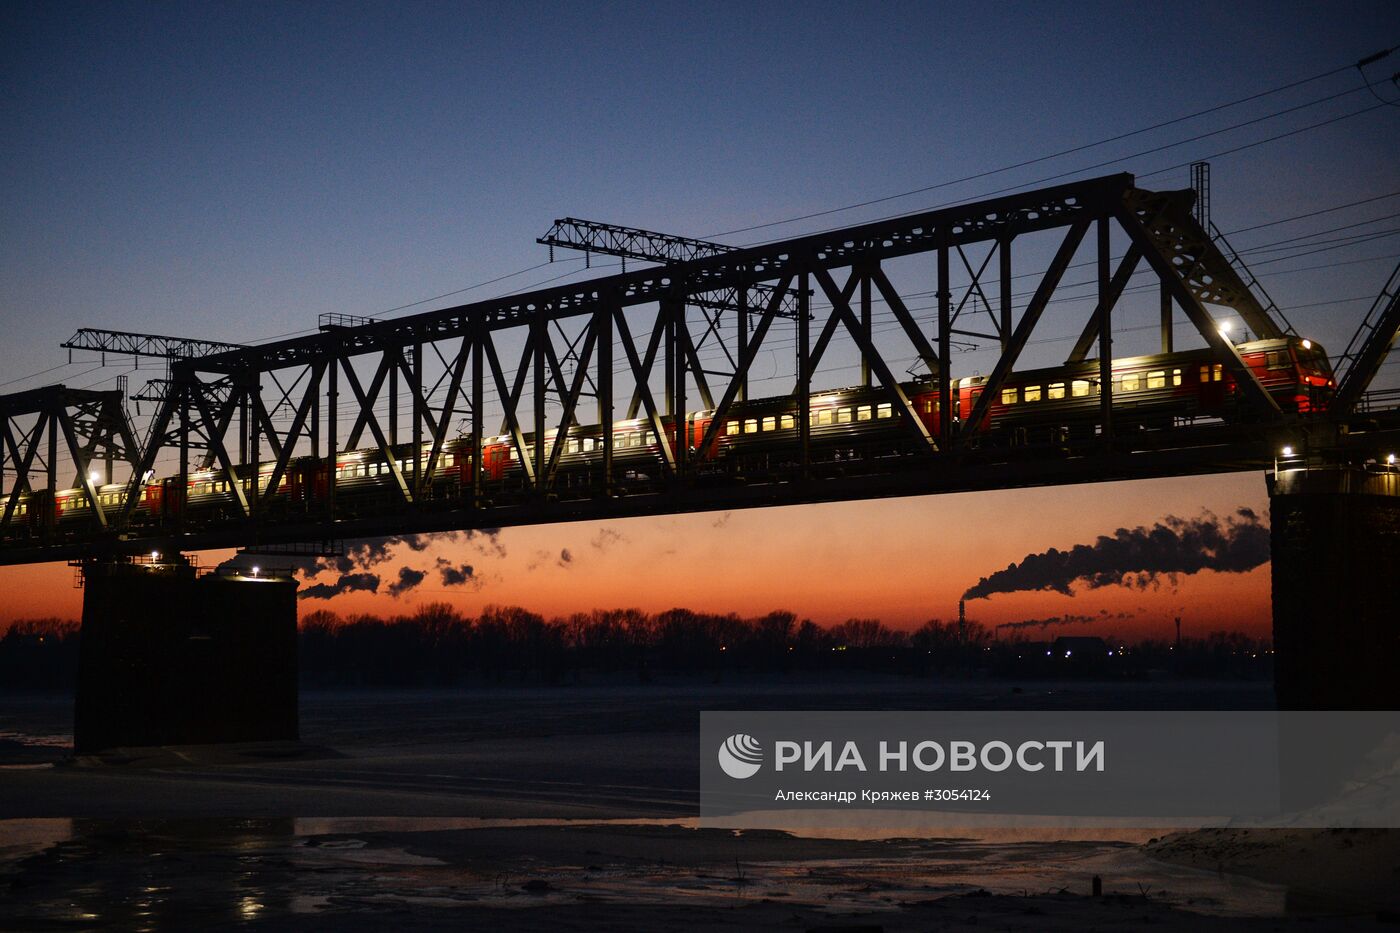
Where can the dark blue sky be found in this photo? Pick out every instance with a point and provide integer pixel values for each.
(232, 170)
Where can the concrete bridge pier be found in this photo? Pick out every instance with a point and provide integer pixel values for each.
(172, 657)
(1336, 586)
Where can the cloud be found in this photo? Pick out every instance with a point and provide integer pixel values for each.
(456, 574)
(566, 557)
(722, 520)
(605, 539)
(408, 579)
(1140, 558)
(347, 583)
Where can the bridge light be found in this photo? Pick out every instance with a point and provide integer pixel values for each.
(1390, 459)
(1224, 327)
(255, 571)
(155, 555)
(1288, 451)
(94, 476)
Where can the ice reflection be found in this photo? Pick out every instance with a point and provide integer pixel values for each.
(185, 874)
(144, 875)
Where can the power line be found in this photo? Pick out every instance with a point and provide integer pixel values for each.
(1039, 159)
(1270, 139)
(1066, 174)
(1325, 210)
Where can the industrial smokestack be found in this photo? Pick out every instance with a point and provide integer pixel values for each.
(962, 621)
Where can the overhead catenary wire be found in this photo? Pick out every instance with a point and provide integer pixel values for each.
(1054, 155)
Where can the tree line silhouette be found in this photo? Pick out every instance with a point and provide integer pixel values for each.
(439, 646)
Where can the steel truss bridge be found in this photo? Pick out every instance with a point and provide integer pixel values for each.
(685, 335)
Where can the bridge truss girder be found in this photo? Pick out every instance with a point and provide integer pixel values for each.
(48, 428)
(565, 343)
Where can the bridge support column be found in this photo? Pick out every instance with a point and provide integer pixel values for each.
(168, 657)
(1336, 563)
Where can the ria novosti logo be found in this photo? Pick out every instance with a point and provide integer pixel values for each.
(740, 756)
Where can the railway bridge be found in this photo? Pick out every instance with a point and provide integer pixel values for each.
(659, 390)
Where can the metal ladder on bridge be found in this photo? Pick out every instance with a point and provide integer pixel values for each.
(1369, 345)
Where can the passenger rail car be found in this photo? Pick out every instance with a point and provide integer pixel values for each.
(1056, 406)
(1154, 391)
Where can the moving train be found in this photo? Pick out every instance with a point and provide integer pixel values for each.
(1058, 405)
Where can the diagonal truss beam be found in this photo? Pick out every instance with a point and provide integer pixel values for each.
(1029, 318)
(841, 305)
(1190, 301)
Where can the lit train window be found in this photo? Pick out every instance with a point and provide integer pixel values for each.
(1055, 390)
(1080, 388)
(1008, 396)
(1031, 393)
(589, 443)
(1157, 379)
(750, 425)
(787, 422)
(731, 428)
(843, 416)
(446, 461)
(1176, 377)
(770, 423)
(1215, 372)
(824, 416)
(1131, 382)
(650, 439)
(928, 406)
(1205, 374)
(1277, 360)
(573, 446)
(863, 413)
(884, 410)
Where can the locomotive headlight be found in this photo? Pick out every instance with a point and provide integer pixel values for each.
(1307, 344)
(1288, 451)
(1390, 459)
(255, 571)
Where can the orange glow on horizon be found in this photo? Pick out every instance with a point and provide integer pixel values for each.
(902, 561)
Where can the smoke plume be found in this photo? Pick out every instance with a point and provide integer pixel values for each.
(347, 583)
(408, 579)
(367, 553)
(455, 575)
(1066, 619)
(1139, 557)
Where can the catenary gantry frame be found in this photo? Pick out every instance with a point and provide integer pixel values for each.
(215, 401)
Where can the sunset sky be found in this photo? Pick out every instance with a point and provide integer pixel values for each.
(231, 171)
(902, 561)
